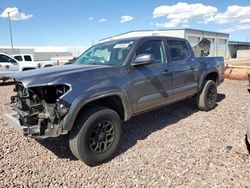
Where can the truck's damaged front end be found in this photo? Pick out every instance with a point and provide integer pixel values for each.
(41, 111)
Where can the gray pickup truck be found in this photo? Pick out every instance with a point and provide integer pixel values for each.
(107, 85)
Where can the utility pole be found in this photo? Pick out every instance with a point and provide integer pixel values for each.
(11, 40)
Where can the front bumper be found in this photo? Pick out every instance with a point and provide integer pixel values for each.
(33, 131)
(4, 73)
(12, 119)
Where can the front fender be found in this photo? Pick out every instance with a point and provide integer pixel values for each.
(84, 99)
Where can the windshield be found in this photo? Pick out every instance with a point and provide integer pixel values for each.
(106, 53)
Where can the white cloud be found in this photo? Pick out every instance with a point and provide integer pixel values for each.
(126, 19)
(245, 21)
(102, 20)
(180, 14)
(91, 18)
(183, 13)
(15, 14)
(236, 28)
(233, 14)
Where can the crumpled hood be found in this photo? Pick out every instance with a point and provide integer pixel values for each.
(53, 75)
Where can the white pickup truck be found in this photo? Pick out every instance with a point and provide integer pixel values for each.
(8, 65)
(28, 58)
(20, 62)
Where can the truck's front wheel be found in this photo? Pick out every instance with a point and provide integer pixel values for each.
(206, 98)
(95, 135)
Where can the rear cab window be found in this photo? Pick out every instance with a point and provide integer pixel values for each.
(27, 58)
(178, 50)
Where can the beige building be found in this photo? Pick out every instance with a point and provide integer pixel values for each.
(239, 49)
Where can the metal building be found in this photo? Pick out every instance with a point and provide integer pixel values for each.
(51, 54)
(8, 50)
(218, 41)
(239, 49)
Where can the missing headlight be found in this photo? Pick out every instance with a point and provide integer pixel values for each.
(50, 94)
(41, 109)
(62, 110)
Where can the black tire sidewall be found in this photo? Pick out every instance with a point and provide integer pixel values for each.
(93, 158)
(209, 83)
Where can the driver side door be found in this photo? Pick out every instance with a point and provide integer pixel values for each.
(152, 81)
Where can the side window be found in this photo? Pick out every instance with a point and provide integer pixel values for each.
(18, 58)
(6, 59)
(27, 58)
(122, 54)
(156, 48)
(2, 59)
(178, 50)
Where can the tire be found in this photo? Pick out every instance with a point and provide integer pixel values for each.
(207, 97)
(248, 132)
(95, 135)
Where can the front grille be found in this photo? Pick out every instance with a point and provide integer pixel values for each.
(27, 105)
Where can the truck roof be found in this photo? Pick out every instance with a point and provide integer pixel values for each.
(6, 55)
(145, 37)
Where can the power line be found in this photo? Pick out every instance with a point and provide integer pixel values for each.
(11, 40)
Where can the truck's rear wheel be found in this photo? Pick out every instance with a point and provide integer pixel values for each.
(95, 135)
(206, 98)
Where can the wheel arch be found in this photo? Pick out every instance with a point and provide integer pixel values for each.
(115, 101)
(210, 75)
(48, 65)
(26, 69)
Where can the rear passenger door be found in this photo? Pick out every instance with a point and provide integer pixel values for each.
(185, 69)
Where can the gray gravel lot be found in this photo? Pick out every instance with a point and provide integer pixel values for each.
(172, 146)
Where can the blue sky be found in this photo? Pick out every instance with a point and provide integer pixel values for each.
(80, 23)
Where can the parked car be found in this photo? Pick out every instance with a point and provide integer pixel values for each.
(28, 58)
(10, 65)
(107, 85)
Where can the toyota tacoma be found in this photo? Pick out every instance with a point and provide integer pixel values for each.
(106, 86)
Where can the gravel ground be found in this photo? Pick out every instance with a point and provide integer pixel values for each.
(173, 146)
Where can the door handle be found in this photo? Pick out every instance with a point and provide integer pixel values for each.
(193, 68)
(167, 72)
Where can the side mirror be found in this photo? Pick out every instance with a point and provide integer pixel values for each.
(143, 59)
